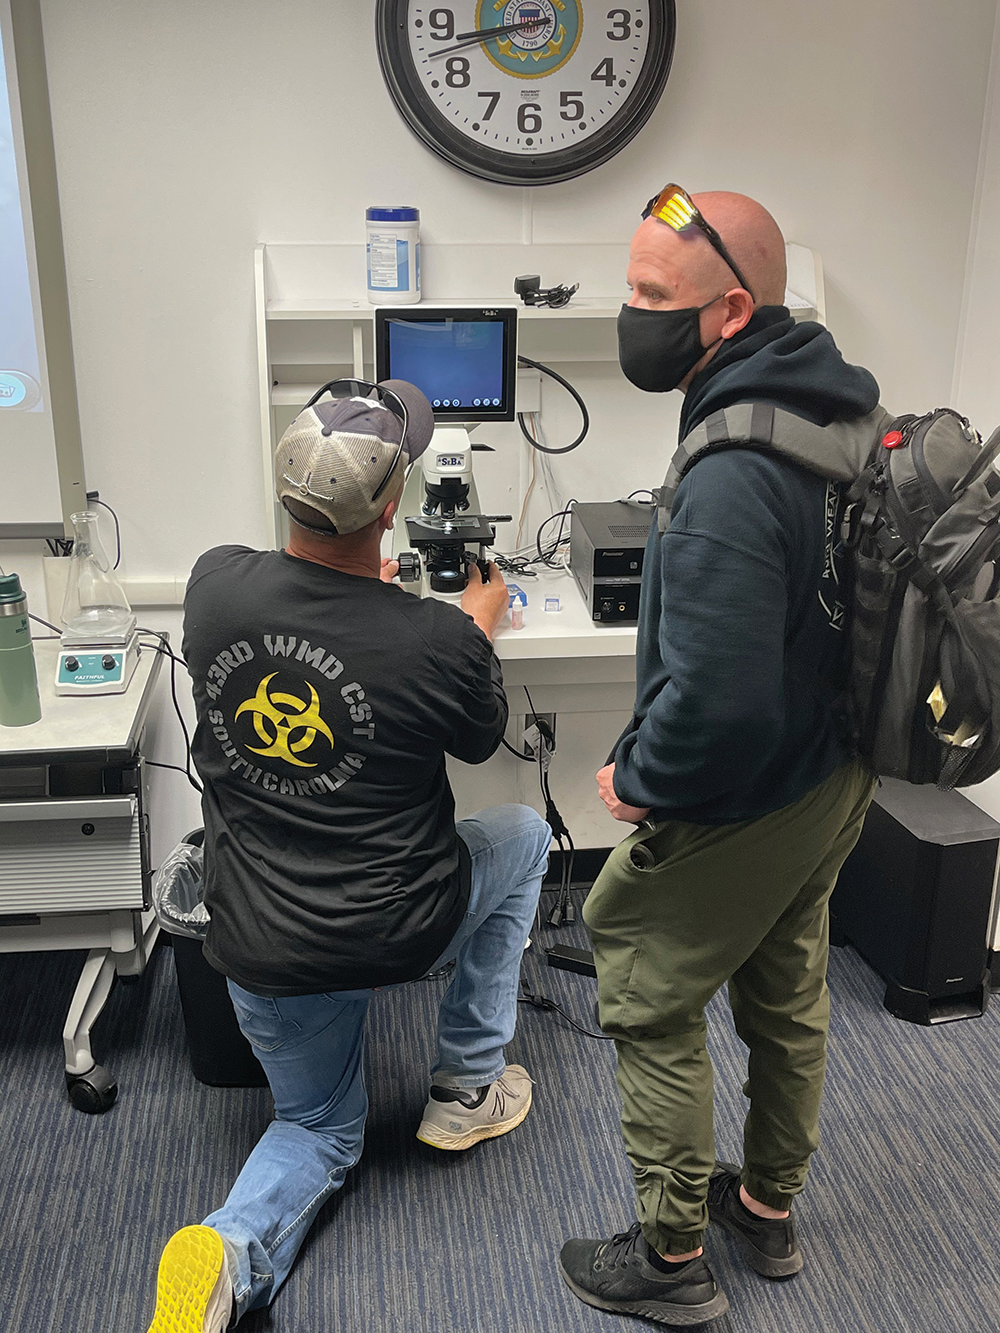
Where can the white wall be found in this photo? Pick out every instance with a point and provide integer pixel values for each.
(977, 364)
(187, 132)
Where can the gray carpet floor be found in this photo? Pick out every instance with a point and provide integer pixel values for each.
(900, 1225)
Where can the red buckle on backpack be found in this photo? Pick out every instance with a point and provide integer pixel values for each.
(893, 439)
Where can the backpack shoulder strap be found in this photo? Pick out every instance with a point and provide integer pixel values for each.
(838, 452)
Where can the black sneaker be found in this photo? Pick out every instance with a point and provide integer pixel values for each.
(616, 1275)
(768, 1245)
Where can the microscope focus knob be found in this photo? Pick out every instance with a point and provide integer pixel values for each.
(409, 566)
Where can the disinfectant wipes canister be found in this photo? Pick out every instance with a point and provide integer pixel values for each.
(393, 249)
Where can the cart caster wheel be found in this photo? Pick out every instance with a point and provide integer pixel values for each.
(93, 1092)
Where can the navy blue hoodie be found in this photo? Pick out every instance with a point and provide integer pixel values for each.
(740, 655)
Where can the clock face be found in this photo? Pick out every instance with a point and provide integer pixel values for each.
(526, 91)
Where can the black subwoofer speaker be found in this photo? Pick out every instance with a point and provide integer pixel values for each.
(914, 898)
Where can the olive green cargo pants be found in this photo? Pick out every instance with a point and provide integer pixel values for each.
(744, 903)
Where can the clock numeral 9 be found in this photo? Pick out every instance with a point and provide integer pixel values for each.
(458, 72)
(620, 20)
(604, 73)
(442, 22)
(572, 106)
(529, 120)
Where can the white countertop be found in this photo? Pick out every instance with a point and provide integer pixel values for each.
(568, 632)
(76, 725)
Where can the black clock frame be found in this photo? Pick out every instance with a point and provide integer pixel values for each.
(418, 110)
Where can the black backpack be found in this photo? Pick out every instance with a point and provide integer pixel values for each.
(919, 519)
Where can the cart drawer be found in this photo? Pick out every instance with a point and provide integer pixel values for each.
(80, 855)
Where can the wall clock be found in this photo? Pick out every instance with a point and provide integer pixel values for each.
(525, 92)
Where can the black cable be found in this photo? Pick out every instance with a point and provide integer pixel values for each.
(520, 565)
(528, 289)
(534, 715)
(545, 557)
(544, 448)
(550, 1006)
(563, 910)
(156, 763)
(529, 758)
(164, 647)
(95, 499)
(643, 491)
(516, 565)
(46, 623)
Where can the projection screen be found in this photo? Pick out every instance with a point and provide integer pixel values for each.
(41, 471)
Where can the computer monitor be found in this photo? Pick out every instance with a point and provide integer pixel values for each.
(463, 359)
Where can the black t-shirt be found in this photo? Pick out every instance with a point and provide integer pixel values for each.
(326, 703)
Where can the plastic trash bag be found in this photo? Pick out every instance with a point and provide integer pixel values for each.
(178, 886)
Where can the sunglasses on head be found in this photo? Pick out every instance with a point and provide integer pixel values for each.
(676, 208)
(386, 398)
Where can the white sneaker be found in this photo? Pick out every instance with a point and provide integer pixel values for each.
(194, 1292)
(456, 1118)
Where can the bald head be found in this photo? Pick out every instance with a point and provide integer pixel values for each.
(688, 268)
(670, 270)
(753, 239)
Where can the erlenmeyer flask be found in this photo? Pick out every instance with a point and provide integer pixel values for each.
(95, 605)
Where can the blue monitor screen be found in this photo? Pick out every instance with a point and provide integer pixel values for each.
(456, 363)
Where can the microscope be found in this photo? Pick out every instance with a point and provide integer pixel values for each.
(441, 522)
(464, 360)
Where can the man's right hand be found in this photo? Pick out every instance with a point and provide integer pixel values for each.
(486, 601)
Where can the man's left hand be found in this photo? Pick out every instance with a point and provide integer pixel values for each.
(628, 814)
(389, 570)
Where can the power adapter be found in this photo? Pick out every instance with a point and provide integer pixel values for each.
(571, 960)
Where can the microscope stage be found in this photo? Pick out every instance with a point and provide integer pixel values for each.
(424, 529)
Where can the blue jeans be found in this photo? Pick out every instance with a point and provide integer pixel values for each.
(311, 1050)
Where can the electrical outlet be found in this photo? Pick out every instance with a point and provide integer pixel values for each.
(531, 737)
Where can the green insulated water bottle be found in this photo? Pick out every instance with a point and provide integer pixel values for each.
(19, 702)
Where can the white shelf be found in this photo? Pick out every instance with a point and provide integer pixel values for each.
(451, 271)
(594, 307)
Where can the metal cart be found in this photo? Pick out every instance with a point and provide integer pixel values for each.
(74, 849)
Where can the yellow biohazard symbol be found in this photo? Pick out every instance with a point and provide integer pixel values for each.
(298, 716)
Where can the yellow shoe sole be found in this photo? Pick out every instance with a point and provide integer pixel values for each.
(187, 1294)
(436, 1137)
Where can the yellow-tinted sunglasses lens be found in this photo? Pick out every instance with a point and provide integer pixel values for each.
(675, 210)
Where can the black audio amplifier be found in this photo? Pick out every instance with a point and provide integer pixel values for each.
(605, 551)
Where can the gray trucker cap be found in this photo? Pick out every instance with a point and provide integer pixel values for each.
(335, 455)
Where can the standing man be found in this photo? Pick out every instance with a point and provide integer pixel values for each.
(327, 699)
(736, 767)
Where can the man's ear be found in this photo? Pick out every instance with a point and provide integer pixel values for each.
(387, 515)
(739, 308)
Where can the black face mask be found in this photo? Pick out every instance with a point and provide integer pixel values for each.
(657, 348)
